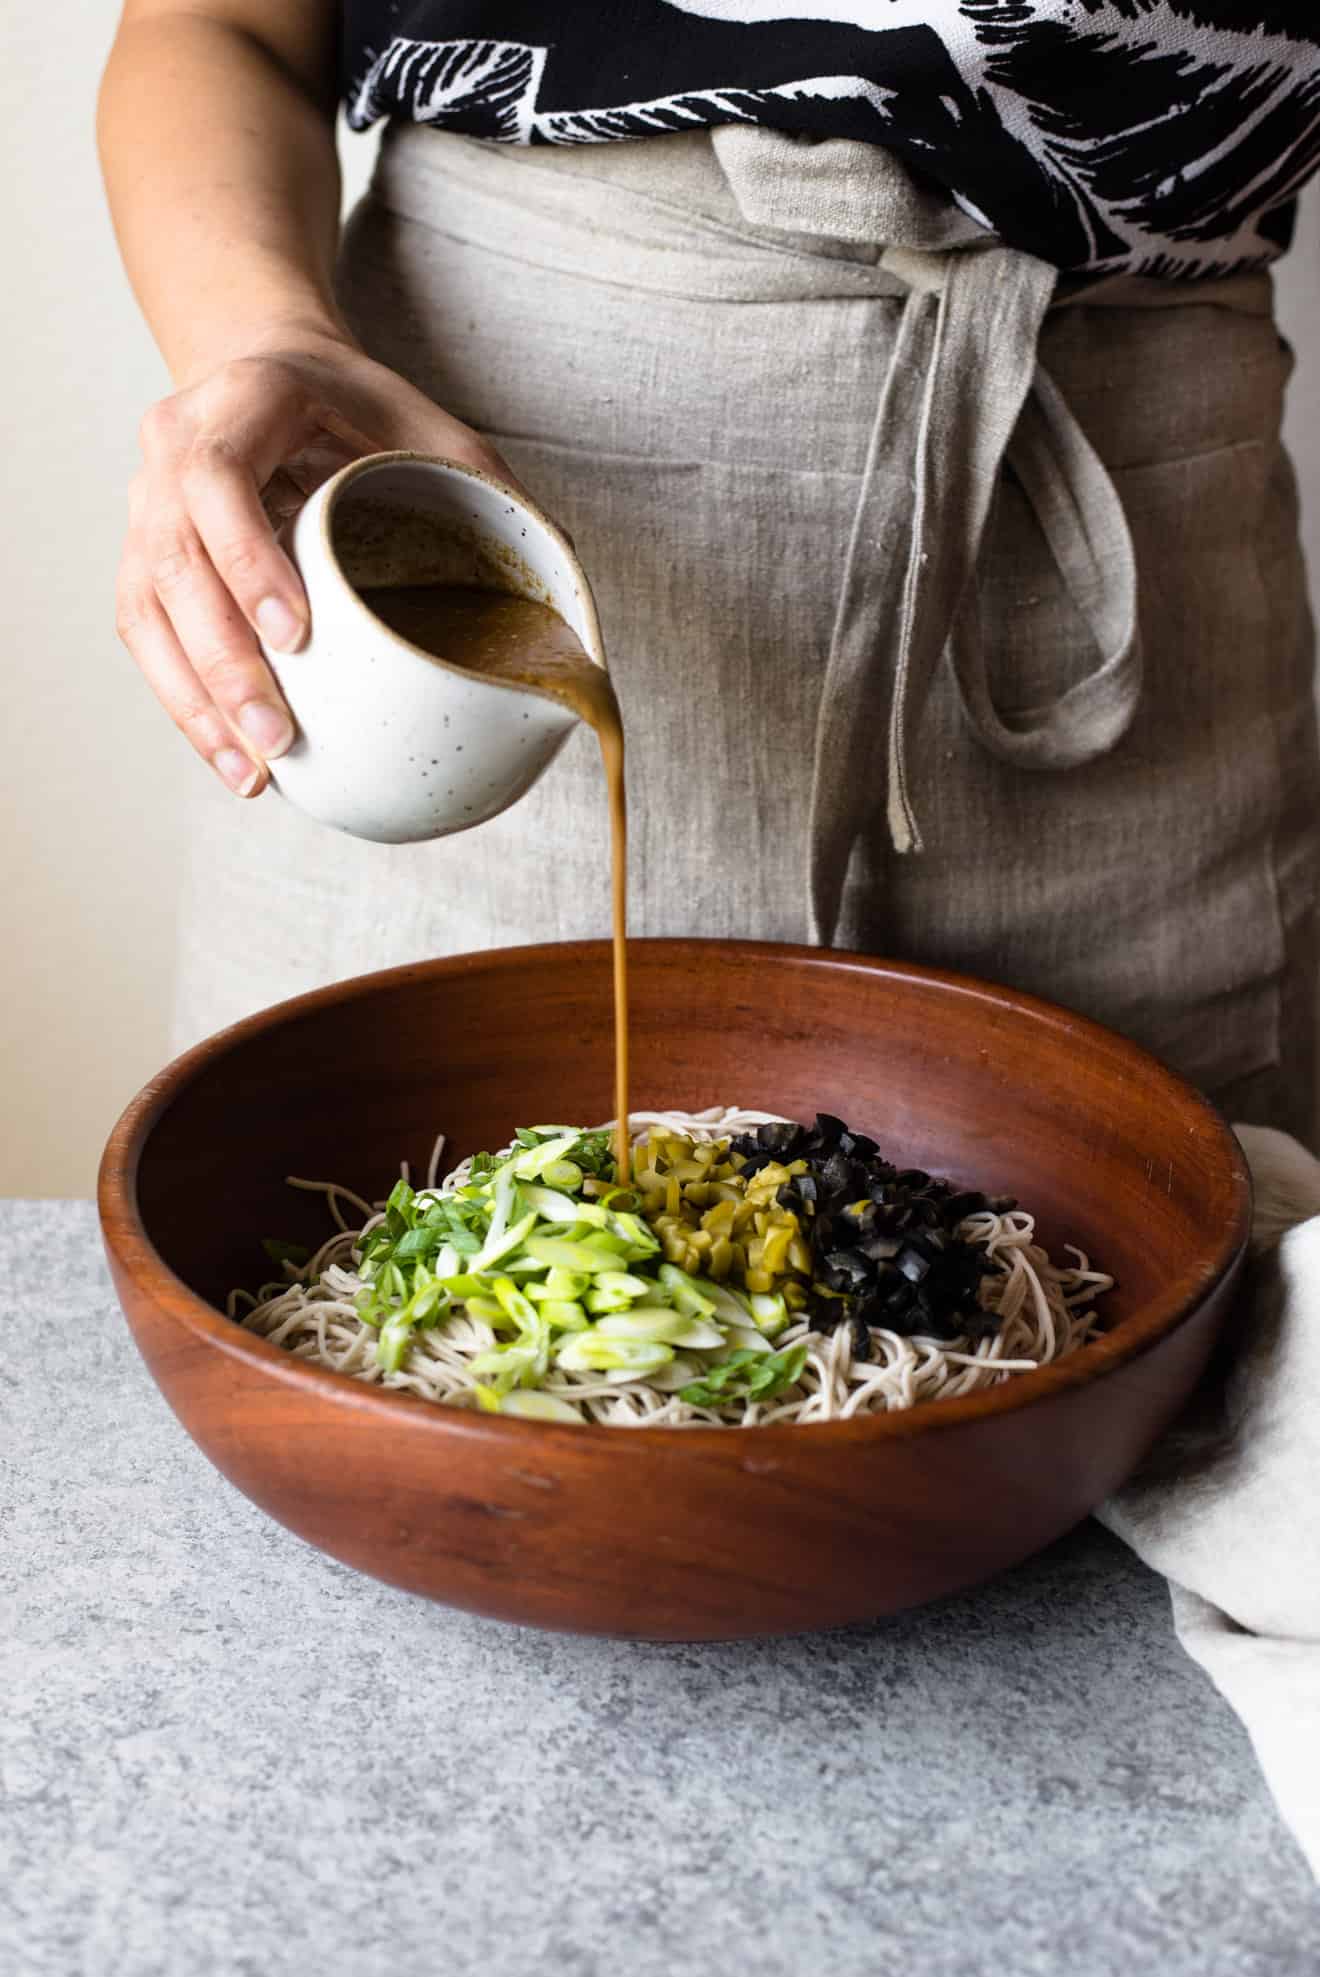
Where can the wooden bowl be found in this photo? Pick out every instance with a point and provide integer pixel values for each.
(678, 1534)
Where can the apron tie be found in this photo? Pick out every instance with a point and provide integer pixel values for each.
(964, 392)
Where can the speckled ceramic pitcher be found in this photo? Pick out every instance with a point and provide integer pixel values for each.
(395, 744)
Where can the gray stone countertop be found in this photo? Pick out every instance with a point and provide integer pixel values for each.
(224, 1753)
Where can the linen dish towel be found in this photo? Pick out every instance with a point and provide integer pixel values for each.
(1228, 1508)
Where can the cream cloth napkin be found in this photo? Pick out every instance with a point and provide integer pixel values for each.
(1228, 1508)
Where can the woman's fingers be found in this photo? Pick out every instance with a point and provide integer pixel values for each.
(458, 442)
(199, 531)
(204, 576)
(212, 631)
(151, 640)
(398, 415)
(224, 505)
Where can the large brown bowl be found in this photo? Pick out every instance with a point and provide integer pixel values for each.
(676, 1534)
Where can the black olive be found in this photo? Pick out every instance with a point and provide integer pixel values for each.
(857, 1219)
(894, 1300)
(913, 1263)
(778, 1139)
(845, 1269)
(938, 1324)
(883, 1239)
(954, 1278)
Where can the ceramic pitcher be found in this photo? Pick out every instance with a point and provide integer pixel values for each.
(395, 744)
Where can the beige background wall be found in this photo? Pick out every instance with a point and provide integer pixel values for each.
(93, 774)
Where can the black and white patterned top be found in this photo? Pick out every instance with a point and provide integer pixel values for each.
(1160, 137)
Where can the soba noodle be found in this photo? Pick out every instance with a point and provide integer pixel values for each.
(1044, 1310)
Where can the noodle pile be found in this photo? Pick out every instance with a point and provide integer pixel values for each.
(1044, 1310)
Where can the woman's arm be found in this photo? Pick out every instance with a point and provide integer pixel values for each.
(216, 129)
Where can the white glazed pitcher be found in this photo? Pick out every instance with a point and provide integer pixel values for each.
(393, 743)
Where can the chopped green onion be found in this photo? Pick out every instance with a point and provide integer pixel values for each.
(515, 1304)
(392, 1344)
(747, 1338)
(747, 1375)
(647, 1321)
(565, 1314)
(531, 1164)
(624, 1283)
(635, 1232)
(509, 1364)
(492, 1250)
(551, 1206)
(601, 1302)
(570, 1255)
(732, 1307)
(678, 1374)
(588, 1352)
(530, 1405)
(769, 1312)
(615, 1290)
(489, 1309)
(559, 1283)
(416, 1243)
(426, 1303)
(605, 1242)
(465, 1283)
(700, 1335)
(686, 1294)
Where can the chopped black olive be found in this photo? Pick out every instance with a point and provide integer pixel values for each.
(778, 1139)
(884, 1244)
(912, 1263)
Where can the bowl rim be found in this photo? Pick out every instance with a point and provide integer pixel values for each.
(131, 1249)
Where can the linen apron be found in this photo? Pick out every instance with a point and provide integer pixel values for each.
(957, 614)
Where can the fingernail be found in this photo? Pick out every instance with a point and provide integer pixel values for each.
(281, 627)
(238, 770)
(267, 727)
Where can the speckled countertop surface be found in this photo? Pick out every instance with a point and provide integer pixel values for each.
(223, 1753)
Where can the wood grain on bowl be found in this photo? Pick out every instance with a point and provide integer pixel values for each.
(673, 1533)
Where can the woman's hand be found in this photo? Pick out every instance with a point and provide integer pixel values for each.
(225, 460)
